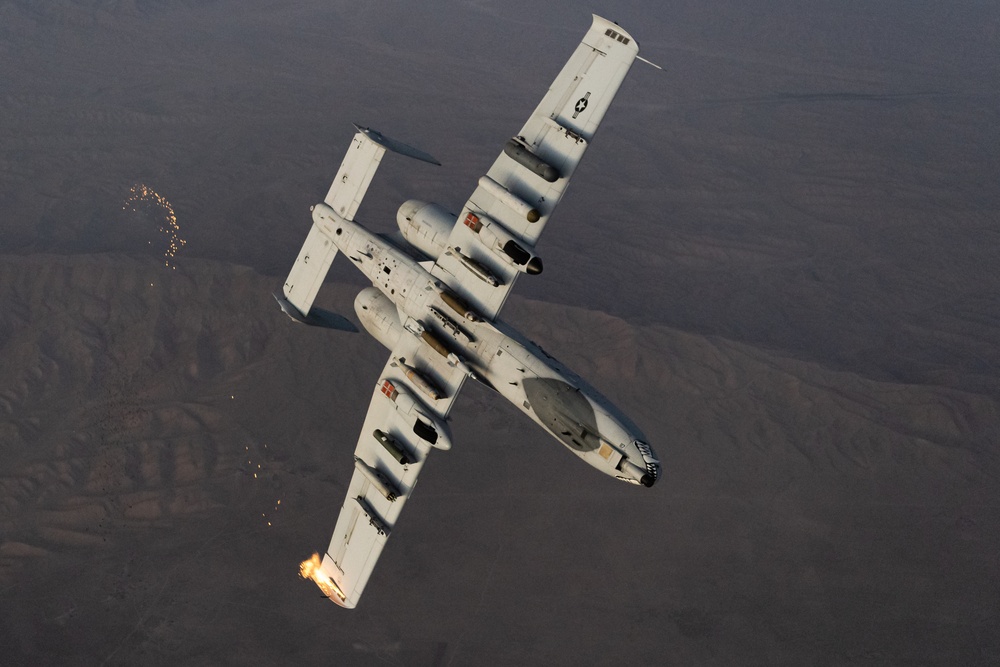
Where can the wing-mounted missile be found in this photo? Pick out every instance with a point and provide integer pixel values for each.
(496, 237)
(380, 317)
(426, 425)
(477, 268)
(433, 341)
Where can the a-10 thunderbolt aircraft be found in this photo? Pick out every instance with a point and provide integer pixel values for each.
(438, 317)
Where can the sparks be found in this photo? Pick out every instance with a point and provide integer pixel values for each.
(142, 194)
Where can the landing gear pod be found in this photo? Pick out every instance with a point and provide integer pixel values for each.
(498, 239)
(521, 154)
(426, 425)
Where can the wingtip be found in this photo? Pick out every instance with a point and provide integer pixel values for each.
(345, 603)
(603, 23)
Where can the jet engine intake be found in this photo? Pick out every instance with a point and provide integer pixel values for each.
(425, 226)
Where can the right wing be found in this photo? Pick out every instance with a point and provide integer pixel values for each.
(528, 179)
(402, 426)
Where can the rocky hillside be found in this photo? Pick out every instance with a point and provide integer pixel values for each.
(153, 419)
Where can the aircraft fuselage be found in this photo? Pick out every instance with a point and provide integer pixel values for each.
(407, 300)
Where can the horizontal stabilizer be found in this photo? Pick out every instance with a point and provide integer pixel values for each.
(359, 166)
(317, 317)
(310, 268)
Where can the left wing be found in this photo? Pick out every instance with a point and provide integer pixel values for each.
(513, 202)
(402, 426)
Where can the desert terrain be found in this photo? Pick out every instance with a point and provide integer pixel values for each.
(779, 257)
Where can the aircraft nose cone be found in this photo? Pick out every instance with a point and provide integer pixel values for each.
(534, 266)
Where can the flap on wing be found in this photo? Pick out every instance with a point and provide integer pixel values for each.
(530, 176)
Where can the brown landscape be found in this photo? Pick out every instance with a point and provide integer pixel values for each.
(779, 258)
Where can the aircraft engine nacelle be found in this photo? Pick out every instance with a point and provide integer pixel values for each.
(379, 316)
(425, 226)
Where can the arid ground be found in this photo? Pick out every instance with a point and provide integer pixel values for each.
(780, 257)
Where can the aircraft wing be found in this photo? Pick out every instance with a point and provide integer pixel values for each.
(528, 179)
(403, 425)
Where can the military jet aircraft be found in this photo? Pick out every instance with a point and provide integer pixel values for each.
(438, 315)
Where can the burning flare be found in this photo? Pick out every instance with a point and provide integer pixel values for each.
(143, 194)
(310, 569)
